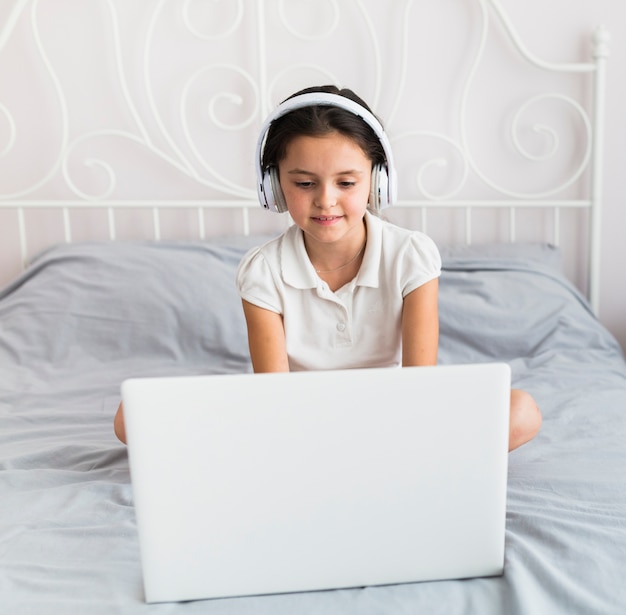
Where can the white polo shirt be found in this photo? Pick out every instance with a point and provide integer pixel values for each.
(360, 324)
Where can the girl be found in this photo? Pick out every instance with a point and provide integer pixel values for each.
(341, 288)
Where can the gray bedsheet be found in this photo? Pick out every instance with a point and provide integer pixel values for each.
(84, 317)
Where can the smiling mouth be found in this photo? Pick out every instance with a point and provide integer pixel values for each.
(326, 218)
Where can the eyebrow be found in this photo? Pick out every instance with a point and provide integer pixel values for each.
(305, 172)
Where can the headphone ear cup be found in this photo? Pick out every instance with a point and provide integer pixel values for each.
(280, 205)
(273, 198)
(373, 202)
(266, 193)
(383, 188)
(379, 188)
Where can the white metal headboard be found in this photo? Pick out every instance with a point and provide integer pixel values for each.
(191, 83)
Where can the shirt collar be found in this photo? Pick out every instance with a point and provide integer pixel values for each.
(370, 267)
(297, 270)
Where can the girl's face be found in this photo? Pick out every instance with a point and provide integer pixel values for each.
(326, 183)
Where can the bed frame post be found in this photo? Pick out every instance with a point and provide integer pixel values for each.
(601, 38)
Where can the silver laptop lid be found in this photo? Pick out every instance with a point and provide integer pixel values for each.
(254, 484)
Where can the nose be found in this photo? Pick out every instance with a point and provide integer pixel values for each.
(326, 196)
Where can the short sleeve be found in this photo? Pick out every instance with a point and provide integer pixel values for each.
(256, 283)
(421, 262)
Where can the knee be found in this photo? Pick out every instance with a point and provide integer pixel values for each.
(118, 424)
(525, 418)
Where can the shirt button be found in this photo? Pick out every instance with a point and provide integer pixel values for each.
(341, 326)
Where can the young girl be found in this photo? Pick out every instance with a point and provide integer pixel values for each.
(341, 288)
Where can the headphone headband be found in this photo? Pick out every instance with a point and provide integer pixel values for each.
(313, 99)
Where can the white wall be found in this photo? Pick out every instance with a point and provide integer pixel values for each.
(550, 26)
(150, 156)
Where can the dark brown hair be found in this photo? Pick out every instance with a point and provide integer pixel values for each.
(321, 120)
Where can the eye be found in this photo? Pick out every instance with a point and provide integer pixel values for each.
(306, 184)
(347, 184)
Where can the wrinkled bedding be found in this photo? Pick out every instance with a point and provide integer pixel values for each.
(84, 317)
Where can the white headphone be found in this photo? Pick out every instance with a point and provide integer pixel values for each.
(384, 183)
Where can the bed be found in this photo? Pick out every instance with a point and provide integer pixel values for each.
(87, 312)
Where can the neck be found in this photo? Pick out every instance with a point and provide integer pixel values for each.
(352, 260)
(340, 257)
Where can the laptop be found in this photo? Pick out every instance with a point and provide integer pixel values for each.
(271, 483)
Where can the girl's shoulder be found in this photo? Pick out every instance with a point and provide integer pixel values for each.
(269, 247)
(266, 257)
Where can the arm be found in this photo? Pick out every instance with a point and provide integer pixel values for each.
(266, 339)
(420, 325)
